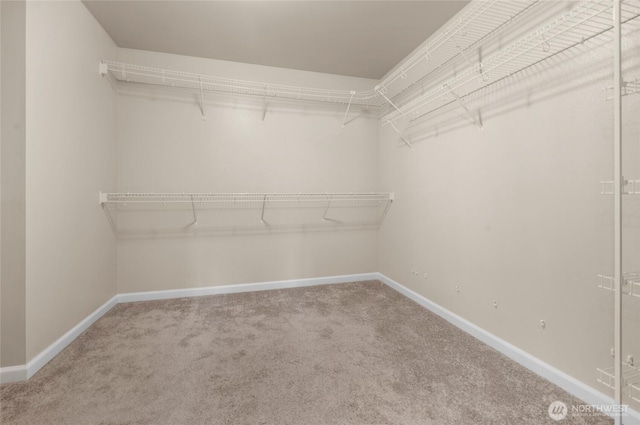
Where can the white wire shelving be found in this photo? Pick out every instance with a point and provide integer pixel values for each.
(583, 22)
(480, 19)
(631, 187)
(628, 88)
(454, 49)
(455, 40)
(324, 203)
(174, 199)
(630, 379)
(630, 283)
(130, 73)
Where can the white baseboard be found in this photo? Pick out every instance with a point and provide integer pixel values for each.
(24, 372)
(243, 287)
(13, 374)
(568, 383)
(51, 351)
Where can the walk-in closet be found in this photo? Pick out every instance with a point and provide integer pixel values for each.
(320, 212)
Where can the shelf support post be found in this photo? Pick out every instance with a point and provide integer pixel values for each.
(204, 116)
(476, 121)
(103, 199)
(264, 105)
(264, 203)
(617, 201)
(406, 142)
(344, 120)
(386, 209)
(193, 208)
(324, 216)
(381, 93)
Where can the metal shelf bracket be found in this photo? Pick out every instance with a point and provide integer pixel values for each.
(204, 116)
(264, 104)
(344, 120)
(324, 216)
(264, 203)
(381, 90)
(193, 208)
(406, 142)
(476, 121)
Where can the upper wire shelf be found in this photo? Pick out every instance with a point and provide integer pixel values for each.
(583, 22)
(480, 19)
(148, 75)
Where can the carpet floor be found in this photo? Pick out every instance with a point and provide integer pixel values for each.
(357, 353)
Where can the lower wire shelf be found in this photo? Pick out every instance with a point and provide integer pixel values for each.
(630, 187)
(245, 210)
(630, 283)
(630, 380)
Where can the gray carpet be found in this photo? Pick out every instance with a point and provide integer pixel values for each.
(356, 353)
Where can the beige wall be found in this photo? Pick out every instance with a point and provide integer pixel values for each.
(164, 145)
(12, 158)
(70, 151)
(514, 214)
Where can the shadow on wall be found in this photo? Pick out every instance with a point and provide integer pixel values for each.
(582, 66)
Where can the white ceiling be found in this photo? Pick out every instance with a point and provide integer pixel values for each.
(356, 38)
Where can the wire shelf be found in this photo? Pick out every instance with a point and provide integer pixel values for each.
(628, 88)
(272, 210)
(470, 27)
(631, 187)
(630, 283)
(130, 73)
(583, 22)
(124, 200)
(634, 390)
(630, 380)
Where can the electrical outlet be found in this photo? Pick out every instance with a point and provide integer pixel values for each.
(495, 304)
(543, 324)
(457, 289)
(425, 276)
(630, 360)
